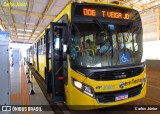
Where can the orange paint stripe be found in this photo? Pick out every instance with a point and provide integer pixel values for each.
(25, 94)
(15, 97)
(152, 100)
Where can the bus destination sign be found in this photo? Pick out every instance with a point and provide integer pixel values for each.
(105, 13)
(110, 12)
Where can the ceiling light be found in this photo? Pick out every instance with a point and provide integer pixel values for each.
(20, 37)
(37, 31)
(20, 29)
(28, 30)
(34, 35)
(20, 34)
(27, 35)
(143, 1)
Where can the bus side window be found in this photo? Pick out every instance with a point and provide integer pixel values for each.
(44, 39)
(44, 45)
(57, 48)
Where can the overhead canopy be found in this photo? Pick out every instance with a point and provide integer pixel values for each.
(26, 19)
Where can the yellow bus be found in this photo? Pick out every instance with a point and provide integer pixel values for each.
(91, 56)
(30, 55)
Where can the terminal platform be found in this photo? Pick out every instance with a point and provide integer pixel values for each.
(20, 89)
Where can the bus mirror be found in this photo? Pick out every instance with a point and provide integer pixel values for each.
(64, 51)
(55, 29)
(68, 50)
(65, 35)
(65, 41)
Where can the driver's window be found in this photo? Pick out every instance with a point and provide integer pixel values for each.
(120, 40)
(128, 41)
(131, 43)
(57, 43)
(135, 42)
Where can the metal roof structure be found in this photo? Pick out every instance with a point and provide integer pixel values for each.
(26, 19)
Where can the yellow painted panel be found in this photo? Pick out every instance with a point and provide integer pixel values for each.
(35, 61)
(42, 65)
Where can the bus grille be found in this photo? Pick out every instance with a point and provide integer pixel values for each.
(105, 97)
(116, 74)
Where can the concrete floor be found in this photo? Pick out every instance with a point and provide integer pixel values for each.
(20, 91)
(152, 96)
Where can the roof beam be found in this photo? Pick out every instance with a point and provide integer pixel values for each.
(151, 4)
(21, 12)
(19, 40)
(42, 17)
(23, 32)
(20, 24)
(156, 6)
(25, 26)
(46, 11)
(12, 16)
(16, 36)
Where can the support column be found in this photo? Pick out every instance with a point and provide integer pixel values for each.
(4, 73)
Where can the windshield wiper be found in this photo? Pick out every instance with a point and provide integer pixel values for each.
(99, 25)
(129, 30)
(124, 42)
(76, 28)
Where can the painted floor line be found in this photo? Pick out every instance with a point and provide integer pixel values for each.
(152, 100)
(151, 78)
(153, 86)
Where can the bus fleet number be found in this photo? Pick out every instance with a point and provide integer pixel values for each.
(89, 12)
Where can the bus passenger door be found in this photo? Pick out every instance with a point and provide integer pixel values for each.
(48, 61)
(37, 54)
(57, 31)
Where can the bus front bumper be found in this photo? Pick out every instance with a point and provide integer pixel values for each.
(81, 101)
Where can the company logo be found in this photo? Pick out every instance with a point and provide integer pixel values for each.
(122, 85)
(20, 108)
(98, 87)
(109, 87)
(6, 108)
(133, 81)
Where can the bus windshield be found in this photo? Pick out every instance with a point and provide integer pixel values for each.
(115, 44)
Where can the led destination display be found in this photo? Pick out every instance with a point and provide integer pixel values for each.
(105, 13)
(111, 12)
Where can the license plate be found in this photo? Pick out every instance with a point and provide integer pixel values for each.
(121, 96)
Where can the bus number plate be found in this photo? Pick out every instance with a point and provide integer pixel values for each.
(121, 97)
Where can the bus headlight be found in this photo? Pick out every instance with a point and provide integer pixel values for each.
(143, 59)
(88, 90)
(77, 84)
(144, 80)
(83, 88)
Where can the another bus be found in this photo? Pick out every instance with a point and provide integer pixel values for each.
(91, 56)
(30, 55)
